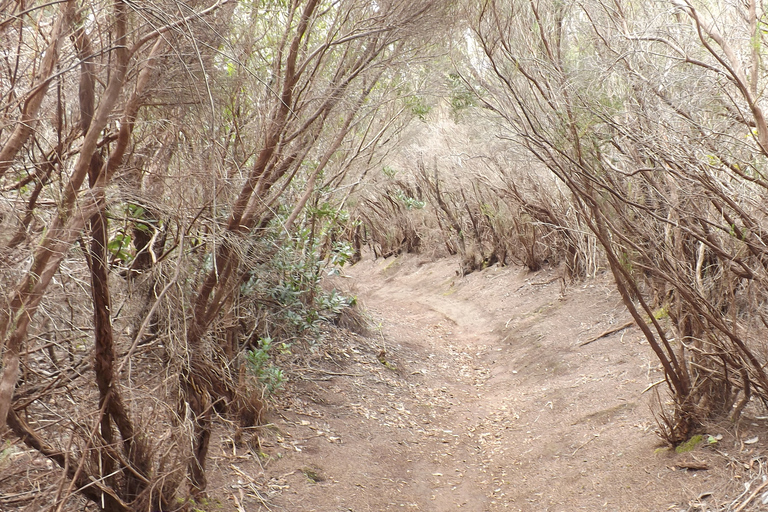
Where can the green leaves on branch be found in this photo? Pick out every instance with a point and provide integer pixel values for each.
(258, 360)
(418, 107)
(409, 202)
(119, 246)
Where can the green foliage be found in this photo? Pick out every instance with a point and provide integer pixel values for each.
(312, 475)
(285, 288)
(409, 202)
(5, 454)
(325, 211)
(689, 445)
(418, 107)
(625, 260)
(461, 96)
(259, 364)
(135, 211)
(291, 277)
(119, 246)
(140, 218)
(341, 253)
(389, 172)
(132, 217)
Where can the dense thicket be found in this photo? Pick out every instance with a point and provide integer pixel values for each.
(650, 117)
(176, 177)
(165, 171)
(669, 177)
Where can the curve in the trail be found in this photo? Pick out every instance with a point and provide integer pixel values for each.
(482, 400)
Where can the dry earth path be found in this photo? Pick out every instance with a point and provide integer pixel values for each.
(473, 393)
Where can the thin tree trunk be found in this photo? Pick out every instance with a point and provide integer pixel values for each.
(196, 390)
(26, 124)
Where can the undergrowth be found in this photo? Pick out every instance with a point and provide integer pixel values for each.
(283, 302)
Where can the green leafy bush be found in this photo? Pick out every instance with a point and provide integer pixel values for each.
(259, 364)
(283, 296)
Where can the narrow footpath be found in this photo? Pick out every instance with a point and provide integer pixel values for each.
(480, 393)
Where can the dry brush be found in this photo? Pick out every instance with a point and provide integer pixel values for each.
(163, 170)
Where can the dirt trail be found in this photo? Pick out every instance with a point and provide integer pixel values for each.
(482, 400)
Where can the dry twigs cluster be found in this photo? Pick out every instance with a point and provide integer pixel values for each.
(671, 183)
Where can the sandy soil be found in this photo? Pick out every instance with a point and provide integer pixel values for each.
(478, 393)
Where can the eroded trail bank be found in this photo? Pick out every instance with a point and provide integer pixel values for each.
(478, 393)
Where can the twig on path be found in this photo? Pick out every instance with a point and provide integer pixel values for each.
(651, 386)
(694, 465)
(751, 497)
(252, 486)
(336, 374)
(238, 504)
(595, 436)
(539, 283)
(608, 332)
(542, 283)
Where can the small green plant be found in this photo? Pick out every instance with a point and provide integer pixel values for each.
(689, 445)
(410, 202)
(341, 253)
(418, 107)
(260, 366)
(291, 277)
(119, 246)
(332, 304)
(389, 172)
(201, 504)
(141, 220)
(284, 289)
(5, 454)
(461, 96)
(313, 475)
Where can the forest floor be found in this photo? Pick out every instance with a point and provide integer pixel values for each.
(481, 393)
(492, 391)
